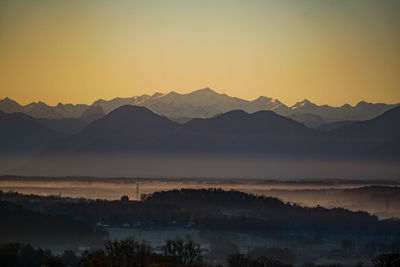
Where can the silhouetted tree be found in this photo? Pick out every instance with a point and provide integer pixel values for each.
(238, 260)
(94, 258)
(127, 253)
(69, 258)
(348, 246)
(182, 253)
(15, 254)
(387, 260)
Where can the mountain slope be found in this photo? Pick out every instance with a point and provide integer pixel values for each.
(206, 103)
(390, 150)
(361, 111)
(385, 127)
(134, 141)
(240, 122)
(130, 129)
(309, 120)
(93, 113)
(22, 134)
(334, 125)
(202, 103)
(373, 135)
(124, 129)
(42, 110)
(10, 106)
(21, 224)
(65, 126)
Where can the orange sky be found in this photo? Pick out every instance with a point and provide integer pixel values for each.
(331, 52)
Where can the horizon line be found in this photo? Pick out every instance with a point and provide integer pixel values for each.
(191, 92)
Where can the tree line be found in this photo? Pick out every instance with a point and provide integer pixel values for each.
(132, 253)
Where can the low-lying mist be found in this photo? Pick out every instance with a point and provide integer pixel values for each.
(205, 166)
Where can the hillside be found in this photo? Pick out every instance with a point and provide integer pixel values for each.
(24, 225)
(21, 133)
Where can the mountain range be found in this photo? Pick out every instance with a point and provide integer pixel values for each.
(131, 129)
(42, 110)
(203, 103)
(21, 133)
(144, 142)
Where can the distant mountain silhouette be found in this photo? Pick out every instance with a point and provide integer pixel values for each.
(109, 105)
(385, 127)
(42, 110)
(124, 129)
(130, 122)
(133, 138)
(130, 129)
(66, 126)
(93, 113)
(308, 119)
(390, 150)
(8, 105)
(240, 122)
(206, 103)
(372, 135)
(263, 132)
(334, 125)
(361, 111)
(21, 133)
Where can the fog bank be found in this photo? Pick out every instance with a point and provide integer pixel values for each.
(207, 166)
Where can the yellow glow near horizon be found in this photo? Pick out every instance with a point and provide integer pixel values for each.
(331, 52)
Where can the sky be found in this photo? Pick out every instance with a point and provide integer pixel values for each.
(330, 52)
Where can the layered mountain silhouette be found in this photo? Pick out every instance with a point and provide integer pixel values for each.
(308, 119)
(22, 134)
(93, 113)
(65, 126)
(203, 103)
(42, 110)
(361, 111)
(200, 132)
(109, 144)
(385, 127)
(132, 129)
(388, 150)
(376, 134)
(334, 125)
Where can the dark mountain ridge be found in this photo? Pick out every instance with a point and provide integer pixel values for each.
(133, 136)
(134, 128)
(240, 122)
(21, 133)
(66, 126)
(385, 126)
(334, 125)
(93, 113)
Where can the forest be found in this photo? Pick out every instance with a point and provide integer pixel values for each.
(220, 221)
(130, 252)
(209, 209)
